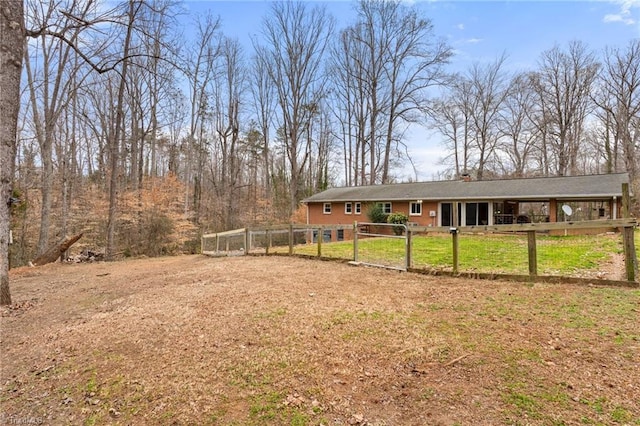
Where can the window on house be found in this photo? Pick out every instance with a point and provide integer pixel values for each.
(415, 208)
(348, 208)
(470, 214)
(386, 208)
(340, 234)
(327, 208)
(326, 236)
(476, 214)
(358, 208)
(446, 214)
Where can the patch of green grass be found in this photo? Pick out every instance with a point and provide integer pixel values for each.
(621, 415)
(526, 404)
(535, 401)
(616, 304)
(274, 313)
(596, 405)
(427, 394)
(248, 375)
(217, 416)
(265, 406)
(563, 255)
(557, 255)
(575, 316)
(556, 395)
(298, 418)
(618, 414)
(91, 420)
(268, 408)
(91, 385)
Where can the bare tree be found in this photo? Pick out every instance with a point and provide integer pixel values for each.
(11, 53)
(387, 61)
(516, 125)
(226, 90)
(296, 36)
(348, 65)
(160, 44)
(199, 68)
(451, 117)
(415, 64)
(619, 99)
(115, 136)
(263, 96)
(489, 87)
(50, 83)
(563, 85)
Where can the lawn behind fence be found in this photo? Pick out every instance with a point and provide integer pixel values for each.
(572, 255)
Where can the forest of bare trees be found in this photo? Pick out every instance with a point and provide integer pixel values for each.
(133, 128)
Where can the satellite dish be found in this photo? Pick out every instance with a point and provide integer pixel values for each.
(567, 210)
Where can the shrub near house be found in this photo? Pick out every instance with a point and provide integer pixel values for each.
(398, 218)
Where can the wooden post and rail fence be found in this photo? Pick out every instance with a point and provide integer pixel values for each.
(292, 235)
(626, 227)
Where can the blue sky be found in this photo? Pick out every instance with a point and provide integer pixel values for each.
(476, 30)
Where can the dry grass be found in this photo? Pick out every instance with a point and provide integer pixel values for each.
(273, 340)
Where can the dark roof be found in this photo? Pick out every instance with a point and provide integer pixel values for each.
(543, 188)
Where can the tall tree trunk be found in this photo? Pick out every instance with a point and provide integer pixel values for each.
(115, 141)
(46, 150)
(11, 51)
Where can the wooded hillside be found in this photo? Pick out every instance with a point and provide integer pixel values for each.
(143, 136)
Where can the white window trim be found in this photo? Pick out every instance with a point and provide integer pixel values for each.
(324, 208)
(411, 204)
(358, 208)
(390, 207)
(489, 211)
(345, 208)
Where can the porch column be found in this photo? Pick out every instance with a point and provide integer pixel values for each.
(553, 210)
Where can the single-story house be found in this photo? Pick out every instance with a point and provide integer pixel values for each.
(487, 202)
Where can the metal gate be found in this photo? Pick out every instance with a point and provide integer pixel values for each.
(384, 245)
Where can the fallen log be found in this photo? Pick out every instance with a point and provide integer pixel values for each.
(55, 251)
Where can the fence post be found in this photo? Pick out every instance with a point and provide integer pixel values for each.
(290, 239)
(408, 243)
(625, 200)
(533, 253)
(355, 241)
(247, 240)
(454, 235)
(217, 243)
(320, 237)
(630, 257)
(268, 238)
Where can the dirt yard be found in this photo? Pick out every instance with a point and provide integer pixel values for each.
(287, 341)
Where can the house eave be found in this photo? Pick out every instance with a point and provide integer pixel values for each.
(543, 197)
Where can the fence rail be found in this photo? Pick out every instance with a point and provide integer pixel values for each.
(296, 239)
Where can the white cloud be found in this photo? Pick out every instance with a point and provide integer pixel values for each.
(624, 15)
(473, 40)
(460, 26)
(618, 18)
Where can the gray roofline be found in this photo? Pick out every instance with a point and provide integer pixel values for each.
(586, 187)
